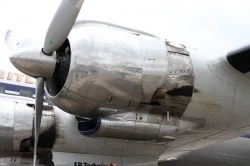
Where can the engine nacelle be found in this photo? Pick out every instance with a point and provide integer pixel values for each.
(124, 129)
(16, 127)
(104, 66)
(145, 126)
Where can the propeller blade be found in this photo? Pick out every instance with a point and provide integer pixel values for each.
(61, 25)
(38, 109)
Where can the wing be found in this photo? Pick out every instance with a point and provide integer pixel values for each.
(231, 152)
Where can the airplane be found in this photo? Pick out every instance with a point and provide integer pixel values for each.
(128, 97)
(234, 152)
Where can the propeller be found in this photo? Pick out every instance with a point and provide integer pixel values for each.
(41, 63)
(57, 33)
(38, 111)
(61, 24)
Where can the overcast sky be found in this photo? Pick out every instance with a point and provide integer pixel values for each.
(213, 27)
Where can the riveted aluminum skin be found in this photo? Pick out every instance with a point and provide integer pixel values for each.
(119, 69)
(143, 125)
(16, 124)
(127, 130)
(23, 124)
(129, 127)
(16, 127)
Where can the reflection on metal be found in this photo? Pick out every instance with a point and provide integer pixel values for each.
(116, 69)
(144, 126)
(16, 127)
(23, 124)
(179, 85)
(123, 129)
(16, 124)
(112, 68)
(33, 62)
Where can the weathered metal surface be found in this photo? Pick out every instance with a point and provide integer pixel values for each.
(47, 133)
(16, 127)
(146, 124)
(126, 130)
(154, 64)
(23, 125)
(113, 67)
(68, 139)
(6, 125)
(117, 69)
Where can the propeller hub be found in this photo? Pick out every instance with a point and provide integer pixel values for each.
(33, 62)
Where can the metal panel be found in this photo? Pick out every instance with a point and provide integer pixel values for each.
(179, 64)
(116, 69)
(111, 63)
(23, 124)
(128, 130)
(71, 141)
(155, 65)
(6, 124)
(80, 106)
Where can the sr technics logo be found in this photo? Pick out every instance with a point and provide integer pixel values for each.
(94, 164)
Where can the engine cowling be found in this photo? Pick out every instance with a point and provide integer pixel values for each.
(16, 127)
(103, 66)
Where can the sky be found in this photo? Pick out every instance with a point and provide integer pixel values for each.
(214, 28)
